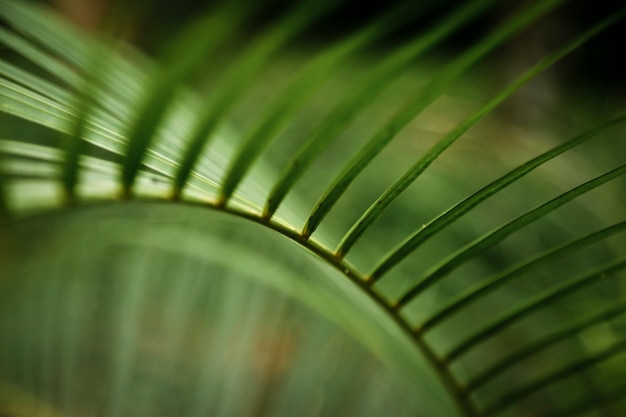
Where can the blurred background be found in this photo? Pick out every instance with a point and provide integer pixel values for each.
(598, 66)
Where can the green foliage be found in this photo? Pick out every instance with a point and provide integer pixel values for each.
(254, 224)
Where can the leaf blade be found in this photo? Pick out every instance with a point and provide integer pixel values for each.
(355, 103)
(532, 304)
(240, 75)
(544, 343)
(497, 280)
(307, 82)
(490, 239)
(398, 187)
(457, 211)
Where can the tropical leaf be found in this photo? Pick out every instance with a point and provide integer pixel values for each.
(232, 226)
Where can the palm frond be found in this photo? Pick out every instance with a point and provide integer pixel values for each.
(145, 193)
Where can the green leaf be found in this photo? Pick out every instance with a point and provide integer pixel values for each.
(196, 303)
(124, 79)
(356, 101)
(492, 283)
(443, 268)
(198, 41)
(445, 219)
(301, 88)
(86, 104)
(510, 399)
(544, 343)
(377, 208)
(531, 305)
(239, 76)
